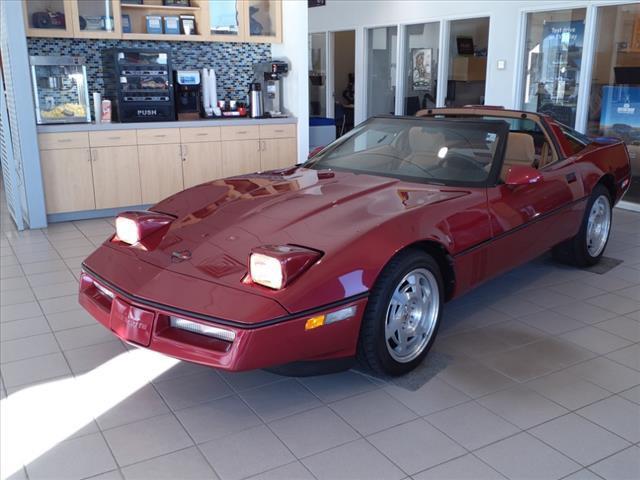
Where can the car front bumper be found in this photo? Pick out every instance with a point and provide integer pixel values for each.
(279, 342)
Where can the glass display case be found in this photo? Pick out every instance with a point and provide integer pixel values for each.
(60, 89)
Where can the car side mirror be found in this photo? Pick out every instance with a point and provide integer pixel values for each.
(314, 152)
(522, 175)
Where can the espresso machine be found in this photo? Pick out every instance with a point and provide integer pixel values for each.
(269, 75)
(188, 88)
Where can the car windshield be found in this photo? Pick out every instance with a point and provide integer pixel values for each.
(442, 151)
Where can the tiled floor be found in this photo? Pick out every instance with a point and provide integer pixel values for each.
(542, 381)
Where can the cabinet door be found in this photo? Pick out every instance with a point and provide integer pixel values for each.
(160, 171)
(263, 21)
(201, 162)
(48, 18)
(226, 21)
(278, 153)
(116, 176)
(240, 157)
(68, 182)
(96, 18)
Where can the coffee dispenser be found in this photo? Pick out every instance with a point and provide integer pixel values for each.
(269, 75)
(188, 86)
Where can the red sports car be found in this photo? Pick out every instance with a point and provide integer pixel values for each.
(355, 253)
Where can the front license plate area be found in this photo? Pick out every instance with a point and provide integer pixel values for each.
(132, 323)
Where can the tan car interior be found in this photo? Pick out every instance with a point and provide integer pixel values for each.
(521, 150)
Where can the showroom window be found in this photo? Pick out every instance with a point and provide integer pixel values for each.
(421, 66)
(468, 45)
(552, 61)
(381, 70)
(614, 103)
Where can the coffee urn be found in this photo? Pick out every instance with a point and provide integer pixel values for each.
(255, 100)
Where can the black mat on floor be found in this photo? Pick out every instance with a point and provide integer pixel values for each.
(429, 368)
(605, 265)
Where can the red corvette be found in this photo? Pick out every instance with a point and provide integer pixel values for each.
(355, 252)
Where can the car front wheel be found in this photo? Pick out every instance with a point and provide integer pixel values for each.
(403, 314)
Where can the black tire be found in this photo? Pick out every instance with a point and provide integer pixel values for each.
(575, 251)
(372, 347)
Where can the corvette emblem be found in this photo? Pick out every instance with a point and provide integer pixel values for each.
(181, 256)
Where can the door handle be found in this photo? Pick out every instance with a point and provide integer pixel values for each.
(571, 177)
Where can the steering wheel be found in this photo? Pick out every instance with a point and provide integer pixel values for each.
(460, 162)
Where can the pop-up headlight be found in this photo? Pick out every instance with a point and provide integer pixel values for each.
(276, 266)
(133, 227)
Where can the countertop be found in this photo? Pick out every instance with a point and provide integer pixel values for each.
(222, 122)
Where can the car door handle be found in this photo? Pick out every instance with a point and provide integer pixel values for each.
(571, 177)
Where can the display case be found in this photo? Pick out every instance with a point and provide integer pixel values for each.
(158, 20)
(60, 90)
(96, 18)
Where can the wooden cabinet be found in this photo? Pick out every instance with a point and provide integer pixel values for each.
(68, 180)
(277, 153)
(216, 20)
(201, 162)
(160, 171)
(106, 169)
(116, 176)
(241, 156)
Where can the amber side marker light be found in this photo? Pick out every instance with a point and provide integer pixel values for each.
(333, 317)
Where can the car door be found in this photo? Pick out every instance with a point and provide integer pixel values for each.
(527, 220)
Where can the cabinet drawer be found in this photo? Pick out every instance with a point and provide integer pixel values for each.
(113, 138)
(277, 131)
(251, 132)
(200, 134)
(155, 136)
(56, 141)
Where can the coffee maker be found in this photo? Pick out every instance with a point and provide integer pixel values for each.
(188, 87)
(269, 75)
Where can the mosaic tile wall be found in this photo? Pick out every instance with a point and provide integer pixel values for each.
(233, 62)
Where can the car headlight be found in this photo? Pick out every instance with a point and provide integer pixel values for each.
(266, 270)
(276, 266)
(134, 227)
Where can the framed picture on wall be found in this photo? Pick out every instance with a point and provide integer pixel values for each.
(421, 68)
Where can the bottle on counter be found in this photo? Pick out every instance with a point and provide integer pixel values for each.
(106, 111)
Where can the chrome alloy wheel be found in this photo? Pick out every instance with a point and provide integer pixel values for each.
(598, 225)
(412, 315)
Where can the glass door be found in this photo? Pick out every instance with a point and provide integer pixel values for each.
(552, 63)
(614, 102)
(317, 75)
(468, 46)
(226, 20)
(48, 18)
(421, 47)
(382, 53)
(96, 18)
(263, 20)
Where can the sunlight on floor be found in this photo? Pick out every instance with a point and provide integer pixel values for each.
(37, 418)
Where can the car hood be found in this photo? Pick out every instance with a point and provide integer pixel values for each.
(218, 223)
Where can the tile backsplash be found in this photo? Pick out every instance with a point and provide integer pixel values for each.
(233, 62)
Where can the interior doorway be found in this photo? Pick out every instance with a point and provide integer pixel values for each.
(344, 59)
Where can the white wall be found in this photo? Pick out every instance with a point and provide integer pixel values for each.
(294, 48)
(504, 31)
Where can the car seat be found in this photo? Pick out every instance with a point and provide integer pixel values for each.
(520, 150)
